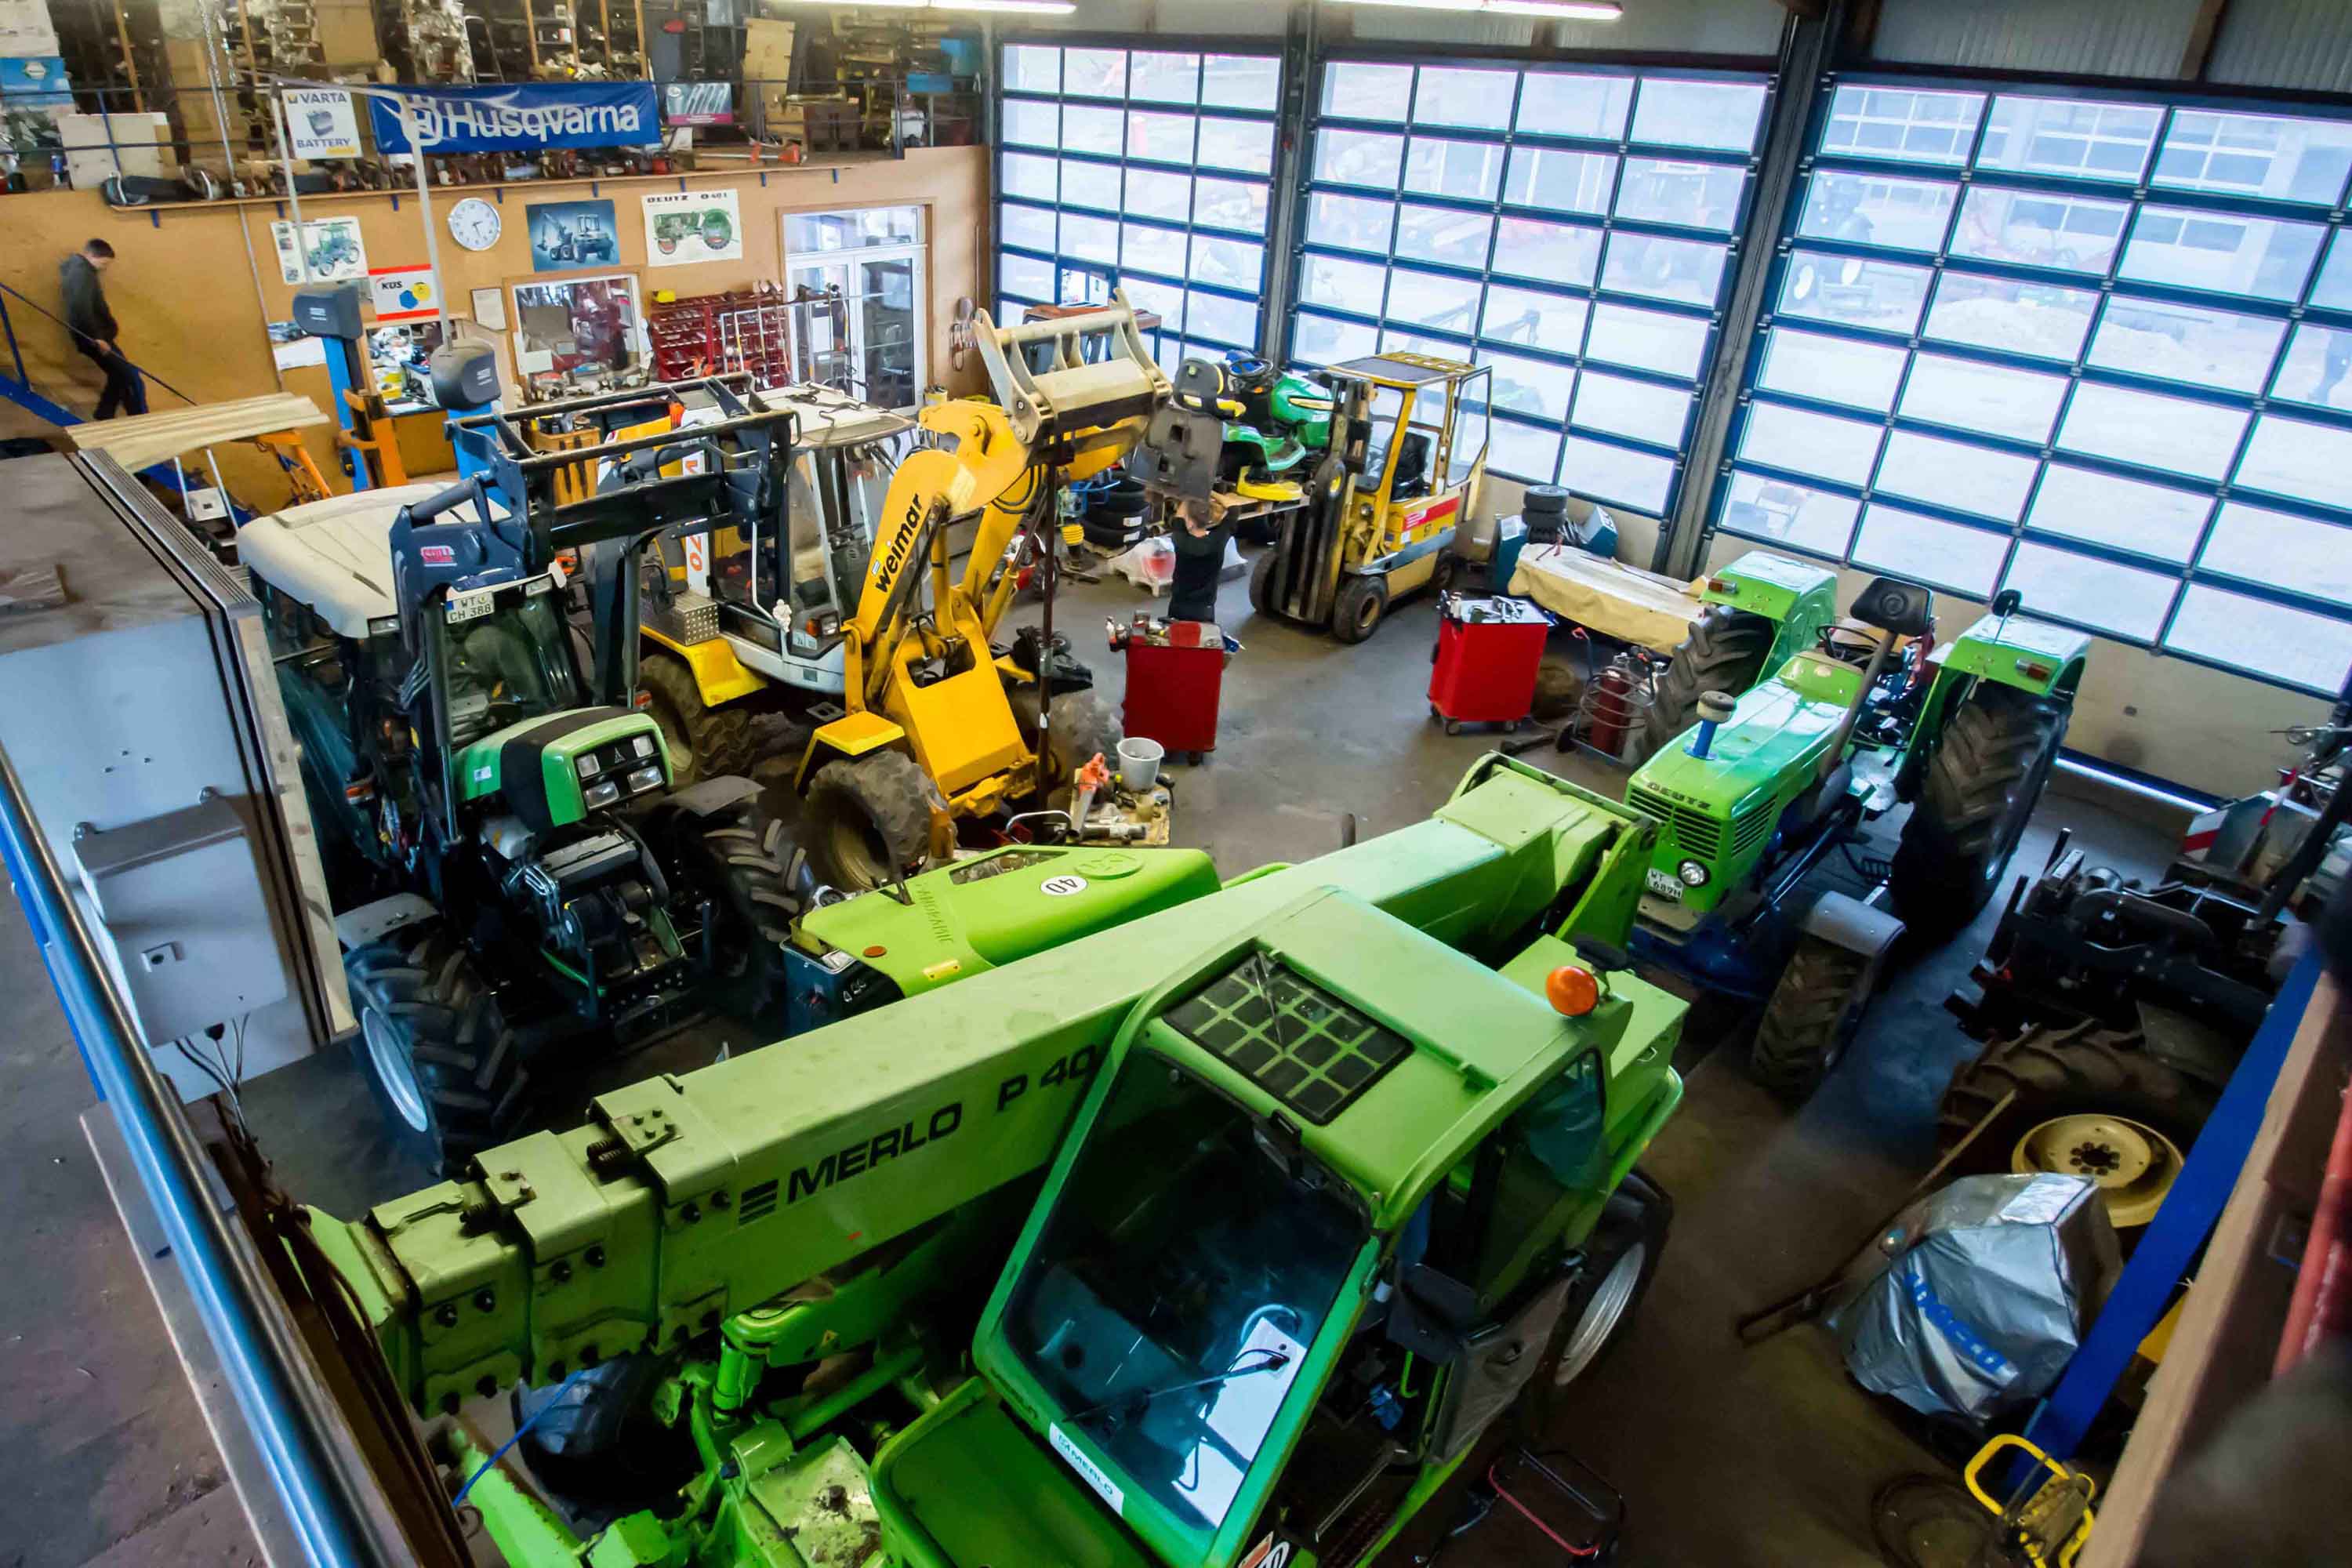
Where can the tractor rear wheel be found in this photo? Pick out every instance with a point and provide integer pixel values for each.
(445, 1069)
(739, 863)
(1811, 1018)
(1621, 1258)
(2058, 1072)
(704, 742)
(1357, 608)
(1724, 652)
(1981, 786)
(868, 820)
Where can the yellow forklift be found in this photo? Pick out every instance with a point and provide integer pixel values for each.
(1408, 454)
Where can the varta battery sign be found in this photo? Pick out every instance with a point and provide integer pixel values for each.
(523, 118)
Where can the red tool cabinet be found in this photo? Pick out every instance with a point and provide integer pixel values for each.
(1484, 671)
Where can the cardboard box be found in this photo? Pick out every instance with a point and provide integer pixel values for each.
(143, 143)
(24, 29)
(347, 36)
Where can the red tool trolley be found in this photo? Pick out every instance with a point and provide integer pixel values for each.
(1484, 671)
(1175, 674)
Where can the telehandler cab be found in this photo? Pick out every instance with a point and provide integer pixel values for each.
(1323, 1174)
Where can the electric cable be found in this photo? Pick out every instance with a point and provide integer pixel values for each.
(501, 1452)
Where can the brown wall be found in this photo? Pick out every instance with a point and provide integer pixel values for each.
(182, 287)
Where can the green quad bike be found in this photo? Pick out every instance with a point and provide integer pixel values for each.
(1769, 783)
(1224, 1240)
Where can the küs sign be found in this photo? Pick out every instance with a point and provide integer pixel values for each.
(521, 118)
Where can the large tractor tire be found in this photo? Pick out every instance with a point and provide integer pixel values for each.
(740, 861)
(2056, 1072)
(1811, 1016)
(1981, 786)
(1724, 652)
(704, 742)
(1621, 1258)
(1083, 724)
(446, 1070)
(1359, 607)
(868, 820)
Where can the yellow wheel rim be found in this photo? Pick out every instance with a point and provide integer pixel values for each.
(2133, 1165)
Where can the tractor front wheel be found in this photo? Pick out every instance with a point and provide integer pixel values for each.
(1811, 1018)
(1357, 608)
(868, 820)
(1621, 1257)
(446, 1070)
(1981, 786)
(704, 741)
(1083, 727)
(740, 864)
(1724, 652)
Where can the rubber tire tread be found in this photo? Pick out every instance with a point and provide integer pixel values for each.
(1084, 724)
(1347, 622)
(1797, 1039)
(718, 739)
(468, 1062)
(1639, 1209)
(1260, 584)
(885, 790)
(1979, 791)
(2057, 1071)
(744, 857)
(1724, 651)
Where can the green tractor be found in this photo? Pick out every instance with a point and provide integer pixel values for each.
(1860, 717)
(1758, 611)
(1222, 1240)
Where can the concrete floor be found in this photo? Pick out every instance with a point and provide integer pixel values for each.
(1724, 1456)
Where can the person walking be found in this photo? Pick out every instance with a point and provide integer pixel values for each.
(93, 327)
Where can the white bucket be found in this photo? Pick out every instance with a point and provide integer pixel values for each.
(1139, 762)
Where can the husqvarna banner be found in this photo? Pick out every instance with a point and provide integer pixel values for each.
(523, 116)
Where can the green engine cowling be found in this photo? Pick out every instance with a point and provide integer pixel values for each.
(555, 771)
(1798, 599)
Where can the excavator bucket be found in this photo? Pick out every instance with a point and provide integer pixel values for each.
(1095, 370)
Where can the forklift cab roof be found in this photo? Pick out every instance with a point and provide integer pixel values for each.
(335, 555)
(1401, 369)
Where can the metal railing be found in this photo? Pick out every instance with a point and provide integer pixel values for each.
(23, 379)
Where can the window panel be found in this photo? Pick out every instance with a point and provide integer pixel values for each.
(1676, 191)
(1957, 475)
(2153, 431)
(2124, 600)
(1834, 369)
(2266, 546)
(1561, 181)
(1647, 340)
(1158, 193)
(1229, 204)
(1096, 240)
(1610, 473)
(1678, 113)
(1165, 300)
(1432, 300)
(1230, 322)
(1241, 81)
(2269, 156)
(2297, 457)
(2314, 368)
(1024, 175)
(1876, 209)
(2309, 650)
(2040, 319)
(1550, 252)
(1688, 270)
(1930, 549)
(1525, 452)
(1031, 227)
(2038, 228)
(1471, 171)
(1163, 78)
(1553, 321)
(1160, 137)
(1884, 296)
(1475, 99)
(2197, 345)
(1369, 157)
(1029, 124)
(1560, 103)
(1237, 263)
(1350, 285)
(1809, 443)
(1912, 124)
(1444, 234)
(1027, 277)
(2332, 289)
(1355, 91)
(1030, 69)
(1095, 73)
(1399, 340)
(1783, 512)
(2190, 247)
(1327, 340)
(1535, 389)
(1351, 223)
(1243, 144)
(1999, 400)
(2084, 141)
(1090, 128)
(1090, 184)
(2122, 514)
(1144, 245)
(1640, 409)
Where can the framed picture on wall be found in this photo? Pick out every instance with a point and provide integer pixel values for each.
(566, 236)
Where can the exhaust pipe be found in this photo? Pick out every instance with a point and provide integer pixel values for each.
(1714, 708)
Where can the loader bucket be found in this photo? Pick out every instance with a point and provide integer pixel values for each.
(1100, 372)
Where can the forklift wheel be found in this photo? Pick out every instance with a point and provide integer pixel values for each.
(1811, 1018)
(1357, 609)
(444, 1067)
(1261, 588)
(868, 820)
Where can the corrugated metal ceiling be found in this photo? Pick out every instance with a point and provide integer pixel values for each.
(2285, 43)
(2083, 37)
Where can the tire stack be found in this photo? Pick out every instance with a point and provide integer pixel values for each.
(1113, 519)
(1544, 508)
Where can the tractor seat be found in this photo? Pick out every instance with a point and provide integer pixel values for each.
(1412, 465)
(1891, 604)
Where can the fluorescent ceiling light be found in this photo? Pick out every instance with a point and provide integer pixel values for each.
(1562, 10)
(1035, 8)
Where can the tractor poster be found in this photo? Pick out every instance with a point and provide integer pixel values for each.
(333, 247)
(693, 225)
(568, 236)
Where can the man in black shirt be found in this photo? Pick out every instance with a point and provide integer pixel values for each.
(94, 328)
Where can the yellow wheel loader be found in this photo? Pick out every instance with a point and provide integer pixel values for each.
(943, 732)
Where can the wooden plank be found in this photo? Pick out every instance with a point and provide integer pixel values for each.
(145, 439)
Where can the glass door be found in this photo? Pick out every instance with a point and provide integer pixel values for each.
(856, 279)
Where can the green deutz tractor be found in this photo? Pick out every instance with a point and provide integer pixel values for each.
(1225, 1238)
(1855, 718)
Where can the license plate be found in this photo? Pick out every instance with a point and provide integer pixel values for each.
(1666, 885)
(471, 604)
